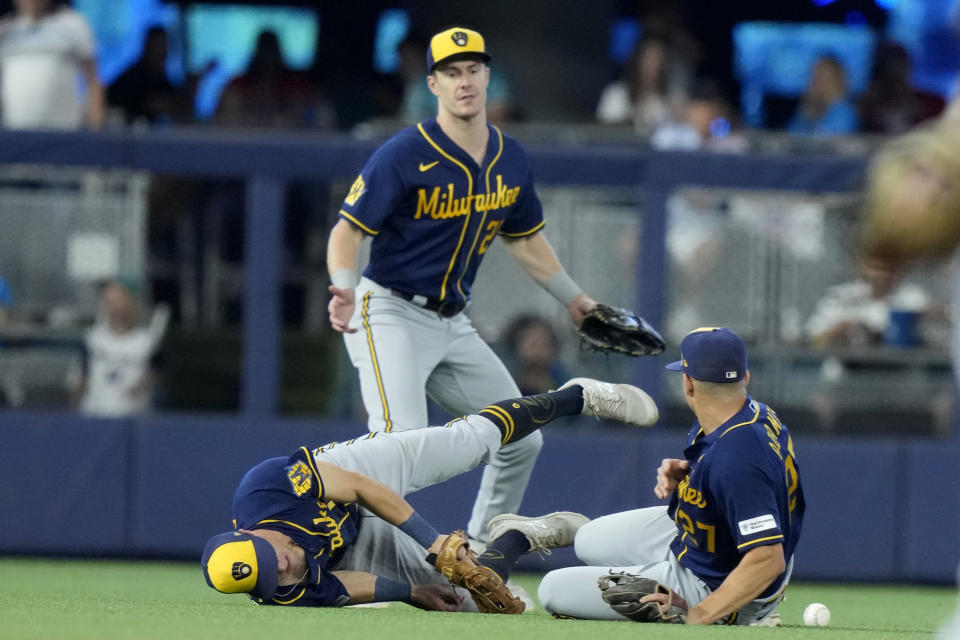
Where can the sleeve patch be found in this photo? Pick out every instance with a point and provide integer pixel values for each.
(755, 525)
(300, 477)
(358, 189)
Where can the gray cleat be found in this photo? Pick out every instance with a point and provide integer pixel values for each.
(620, 402)
(543, 532)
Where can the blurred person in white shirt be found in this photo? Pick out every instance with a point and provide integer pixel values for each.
(649, 93)
(46, 48)
(117, 375)
(858, 312)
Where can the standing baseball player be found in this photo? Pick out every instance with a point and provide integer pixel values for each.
(722, 551)
(329, 527)
(434, 197)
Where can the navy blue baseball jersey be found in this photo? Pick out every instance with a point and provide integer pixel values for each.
(433, 212)
(742, 491)
(286, 495)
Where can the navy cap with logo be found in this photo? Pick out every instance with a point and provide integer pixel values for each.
(712, 354)
(455, 43)
(235, 562)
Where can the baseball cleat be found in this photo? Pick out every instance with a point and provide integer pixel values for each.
(543, 532)
(620, 402)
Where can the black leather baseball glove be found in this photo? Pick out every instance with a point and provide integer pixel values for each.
(624, 592)
(608, 328)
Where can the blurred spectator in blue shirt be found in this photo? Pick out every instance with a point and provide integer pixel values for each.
(825, 109)
(11, 391)
(418, 103)
(890, 104)
(6, 300)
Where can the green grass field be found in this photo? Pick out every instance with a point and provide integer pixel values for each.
(104, 600)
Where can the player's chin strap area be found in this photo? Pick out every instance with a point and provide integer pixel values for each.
(287, 591)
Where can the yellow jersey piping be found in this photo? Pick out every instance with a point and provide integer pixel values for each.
(485, 211)
(750, 542)
(529, 232)
(751, 421)
(316, 472)
(295, 526)
(299, 595)
(358, 223)
(466, 223)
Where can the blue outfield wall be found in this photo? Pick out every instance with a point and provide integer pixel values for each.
(159, 487)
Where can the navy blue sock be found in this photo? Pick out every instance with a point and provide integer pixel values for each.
(502, 553)
(522, 416)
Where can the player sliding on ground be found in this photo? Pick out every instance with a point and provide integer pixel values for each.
(329, 527)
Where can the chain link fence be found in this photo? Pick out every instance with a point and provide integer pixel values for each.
(62, 229)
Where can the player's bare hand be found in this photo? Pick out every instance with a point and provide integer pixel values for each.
(580, 307)
(435, 597)
(341, 309)
(463, 553)
(669, 474)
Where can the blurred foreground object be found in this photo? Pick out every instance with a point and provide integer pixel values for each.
(913, 195)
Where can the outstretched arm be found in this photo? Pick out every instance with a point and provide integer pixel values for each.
(342, 248)
(757, 569)
(365, 587)
(536, 256)
(345, 486)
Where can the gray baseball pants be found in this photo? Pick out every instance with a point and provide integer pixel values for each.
(403, 353)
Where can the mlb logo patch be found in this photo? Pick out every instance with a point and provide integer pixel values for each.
(731, 375)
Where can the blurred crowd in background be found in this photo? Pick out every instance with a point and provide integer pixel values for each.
(677, 75)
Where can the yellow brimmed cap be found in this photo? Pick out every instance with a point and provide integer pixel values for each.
(456, 41)
(235, 562)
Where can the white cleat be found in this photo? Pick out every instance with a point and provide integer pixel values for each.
(620, 402)
(543, 532)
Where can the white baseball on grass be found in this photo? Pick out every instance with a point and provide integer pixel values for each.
(816, 615)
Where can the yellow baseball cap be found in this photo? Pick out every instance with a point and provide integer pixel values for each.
(455, 42)
(235, 562)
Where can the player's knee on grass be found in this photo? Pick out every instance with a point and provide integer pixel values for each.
(547, 592)
(573, 592)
